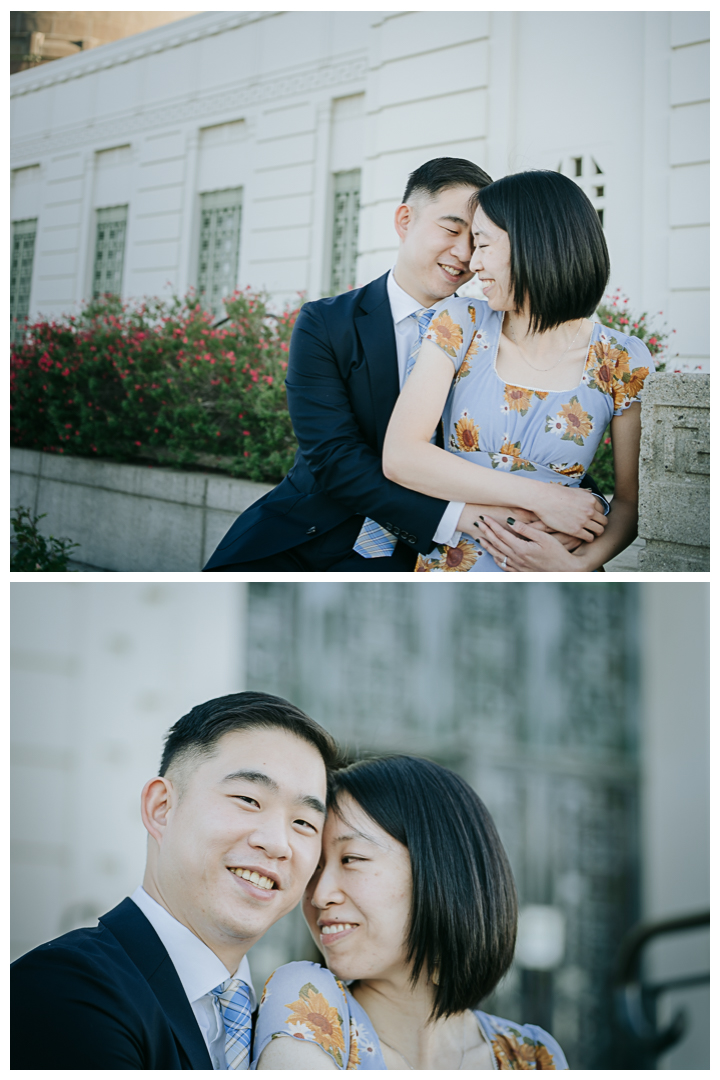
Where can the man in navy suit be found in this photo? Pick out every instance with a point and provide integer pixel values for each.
(234, 824)
(348, 361)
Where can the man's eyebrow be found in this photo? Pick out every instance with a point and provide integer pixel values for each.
(451, 217)
(262, 778)
(314, 804)
(253, 778)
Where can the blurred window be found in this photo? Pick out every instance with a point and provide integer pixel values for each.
(109, 250)
(21, 266)
(220, 221)
(346, 217)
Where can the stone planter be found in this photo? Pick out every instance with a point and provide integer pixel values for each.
(674, 516)
(130, 517)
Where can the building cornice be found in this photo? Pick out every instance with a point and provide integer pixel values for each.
(170, 36)
(228, 102)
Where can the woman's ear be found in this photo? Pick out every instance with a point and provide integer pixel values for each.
(157, 798)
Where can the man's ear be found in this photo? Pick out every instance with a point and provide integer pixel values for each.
(403, 217)
(157, 799)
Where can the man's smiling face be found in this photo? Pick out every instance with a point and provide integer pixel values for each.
(435, 244)
(242, 835)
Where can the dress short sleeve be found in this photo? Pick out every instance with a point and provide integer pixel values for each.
(521, 1046)
(619, 365)
(305, 1001)
(456, 328)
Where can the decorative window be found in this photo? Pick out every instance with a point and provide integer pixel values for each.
(220, 219)
(588, 175)
(109, 250)
(346, 218)
(21, 266)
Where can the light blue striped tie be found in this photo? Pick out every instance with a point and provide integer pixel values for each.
(373, 540)
(233, 997)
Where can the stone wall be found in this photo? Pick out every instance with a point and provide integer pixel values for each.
(130, 517)
(674, 512)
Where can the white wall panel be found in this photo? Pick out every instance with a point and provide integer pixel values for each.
(286, 120)
(26, 192)
(418, 78)
(688, 27)
(410, 32)
(688, 313)
(690, 74)
(452, 117)
(689, 258)
(690, 195)
(292, 150)
(689, 133)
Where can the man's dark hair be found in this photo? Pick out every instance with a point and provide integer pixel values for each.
(463, 920)
(197, 733)
(445, 172)
(559, 260)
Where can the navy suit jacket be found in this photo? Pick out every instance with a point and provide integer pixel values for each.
(342, 384)
(106, 997)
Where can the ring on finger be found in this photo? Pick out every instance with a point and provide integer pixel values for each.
(504, 563)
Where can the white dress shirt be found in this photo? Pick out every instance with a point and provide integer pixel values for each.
(402, 307)
(199, 971)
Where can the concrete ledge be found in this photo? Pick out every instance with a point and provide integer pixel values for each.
(674, 509)
(130, 517)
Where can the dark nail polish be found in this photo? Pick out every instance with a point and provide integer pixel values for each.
(511, 521)
(481, 517)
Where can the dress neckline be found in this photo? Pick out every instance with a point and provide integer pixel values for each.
(539, 389)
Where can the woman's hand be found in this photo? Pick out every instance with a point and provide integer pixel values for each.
(525, 549)
(575, 511)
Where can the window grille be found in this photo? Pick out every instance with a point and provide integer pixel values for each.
(220, 219)
(21, 265)
(346, 218)
(109, 250)
(589, 176)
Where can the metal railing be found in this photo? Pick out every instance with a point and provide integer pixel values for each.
(636, 1000)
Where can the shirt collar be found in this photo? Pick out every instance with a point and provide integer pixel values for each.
(402, 304)
(198, 968)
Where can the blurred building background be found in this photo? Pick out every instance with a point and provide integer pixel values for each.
(578, 712)
(37, 37)
(269, 149)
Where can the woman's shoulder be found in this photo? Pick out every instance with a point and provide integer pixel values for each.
(521, 1046)
(305, 1001)
(459, 325)
(611, 338)
(302, 977)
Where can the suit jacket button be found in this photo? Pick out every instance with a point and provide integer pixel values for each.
(396, 530)
(412, 539)
(403, 536)
(311, 530)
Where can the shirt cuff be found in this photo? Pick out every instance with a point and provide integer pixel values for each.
(604, 502)
(446, 531)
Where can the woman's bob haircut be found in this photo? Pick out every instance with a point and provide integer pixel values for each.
(559, 262)
(463, 919)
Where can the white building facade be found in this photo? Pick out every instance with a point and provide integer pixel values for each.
(269, 149)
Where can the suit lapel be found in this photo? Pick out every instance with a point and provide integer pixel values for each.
(377, 336)
(128, 924)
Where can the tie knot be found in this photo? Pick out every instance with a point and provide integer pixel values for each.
(423, 317)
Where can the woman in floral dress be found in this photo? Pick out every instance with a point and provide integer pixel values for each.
(414, 905)
(525, 385)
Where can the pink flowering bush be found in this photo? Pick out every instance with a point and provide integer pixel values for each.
(615, 314)
(157, 383)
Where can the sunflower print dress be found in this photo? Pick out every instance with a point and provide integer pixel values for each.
(547, 435)
(305, 1001)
